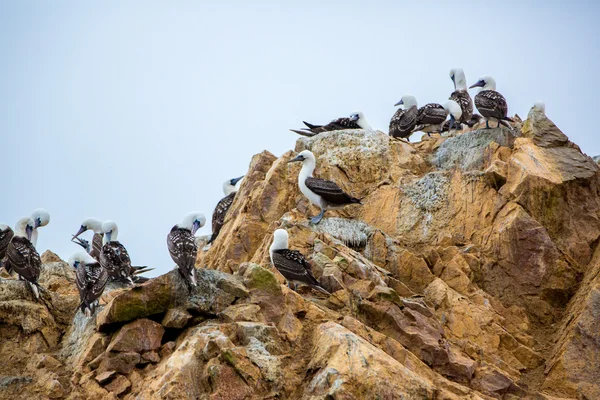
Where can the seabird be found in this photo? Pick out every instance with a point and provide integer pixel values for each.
(454, 115)
(490, 103)
(291, 263)
(356, 120)
(325, 194)
(230, 188)
(96, 226)
(6, 234)
(182, 245)
(22, 257)
(90, 278)
(404, 120)
(40, 218)
(461, 95)
(113, 256)
(430, 118)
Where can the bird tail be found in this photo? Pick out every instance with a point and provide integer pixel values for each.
(303, 133)
(311, 126)
(506, 124)
(357, 201)
(212, 237)
(509, 119)
(320, 288)
(137, 270)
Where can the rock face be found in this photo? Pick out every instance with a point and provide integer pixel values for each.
(471, 271)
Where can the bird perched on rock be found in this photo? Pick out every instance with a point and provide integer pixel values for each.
(95, 225)
(90, 278)
(356, 120)
(404, 120)
(291, 263)
(230, 188)
(430, 118)
(461, 95)
(490, 103)
(22, 257)
(182, 245)
(40, 218)
(325, 194)
(454, 115)
(113, 256)
(6, 234)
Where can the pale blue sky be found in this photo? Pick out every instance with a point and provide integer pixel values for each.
(137, 111)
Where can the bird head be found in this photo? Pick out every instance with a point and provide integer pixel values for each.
(40, 217)
(408, 100)
(110, 230)
(79, 259)
(485, 83)
(303, 156)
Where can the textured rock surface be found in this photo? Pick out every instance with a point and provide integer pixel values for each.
(472, 271)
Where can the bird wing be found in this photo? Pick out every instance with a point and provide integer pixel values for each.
(491, 104)
(329, 191)
(115, 259)
(465, 102)
(293, 266)
(182, 247)
(218, 217)
(403, 122)
(5, 237)
(97, 245)
(431, 114)
(340, 124)
(24, 258)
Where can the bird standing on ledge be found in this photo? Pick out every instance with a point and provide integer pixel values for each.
(490, 103)
(325, 194)
(91, 279)
(230, 188)
(291, 263)
(404, 120)
(114, 256)
(22, 257)
(461, 95)
(182, 245)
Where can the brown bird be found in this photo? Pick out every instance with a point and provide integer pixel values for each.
(490, 103)
(403, 122)
(218, 218)
(91, 279)
(22, 257)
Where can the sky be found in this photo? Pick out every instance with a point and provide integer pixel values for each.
(137, 111)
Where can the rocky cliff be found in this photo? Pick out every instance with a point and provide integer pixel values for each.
(472, 271)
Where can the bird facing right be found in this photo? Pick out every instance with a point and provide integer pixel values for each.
(114, 256)
(182, 245)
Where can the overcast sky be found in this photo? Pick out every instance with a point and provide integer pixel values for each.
(137, 111)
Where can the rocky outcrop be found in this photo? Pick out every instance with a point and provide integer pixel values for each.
(471, 271)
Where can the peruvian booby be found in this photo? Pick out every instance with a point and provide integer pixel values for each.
(291, 263)
(41, 218)
(6, 234)
(182, 245)
(90, 278)
(95, 225)
(430, 118)
(461, 95)
(113, 256)
(490, 103)
(230, 188)
(454, 115)
(325, 194)
(356, 120)
(22, 257)
(404, 120)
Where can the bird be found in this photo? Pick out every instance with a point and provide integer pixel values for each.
(95, 225)
(90, 278)
(356, 120)
(291, 263)
(325, 194)
(404, 120)
(490, 103)
(22, 257)
(430, 118)
(461, 95)
(40, 218)
(182, 245)
(6, 234)
(113, 256)
(454, 115)
(230, 188)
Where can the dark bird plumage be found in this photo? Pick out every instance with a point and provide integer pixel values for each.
(91, 280)
(218, 217)
(330, 192)
(465, 102)
(430, 118)
(23, 258)
(115, 259)
(491, 104)
(183, 250)
(403, 122)
(356, 121)
(6, 235)
(96, 245)
(295, 268)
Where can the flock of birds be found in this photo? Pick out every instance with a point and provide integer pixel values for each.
(106, 258)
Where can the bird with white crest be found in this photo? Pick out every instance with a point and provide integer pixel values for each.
(490, 103)
(182, 246)
(40, 218)
(461, 95)
(95, 225)
(325, 194)
(114, 256)
(404, 120)
(356, 120)
(454, 115)
(22, 257)
(230, 188)
(291, 263)
(90, 278)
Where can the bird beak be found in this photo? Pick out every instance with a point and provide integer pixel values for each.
(297, 158)
(480, 83)
(195, 227)
(399, 103)
(28, 231)
(37, 223)
(79, 232)
(354, 118)
(236, 180)
(78, 241)
(108, 234)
